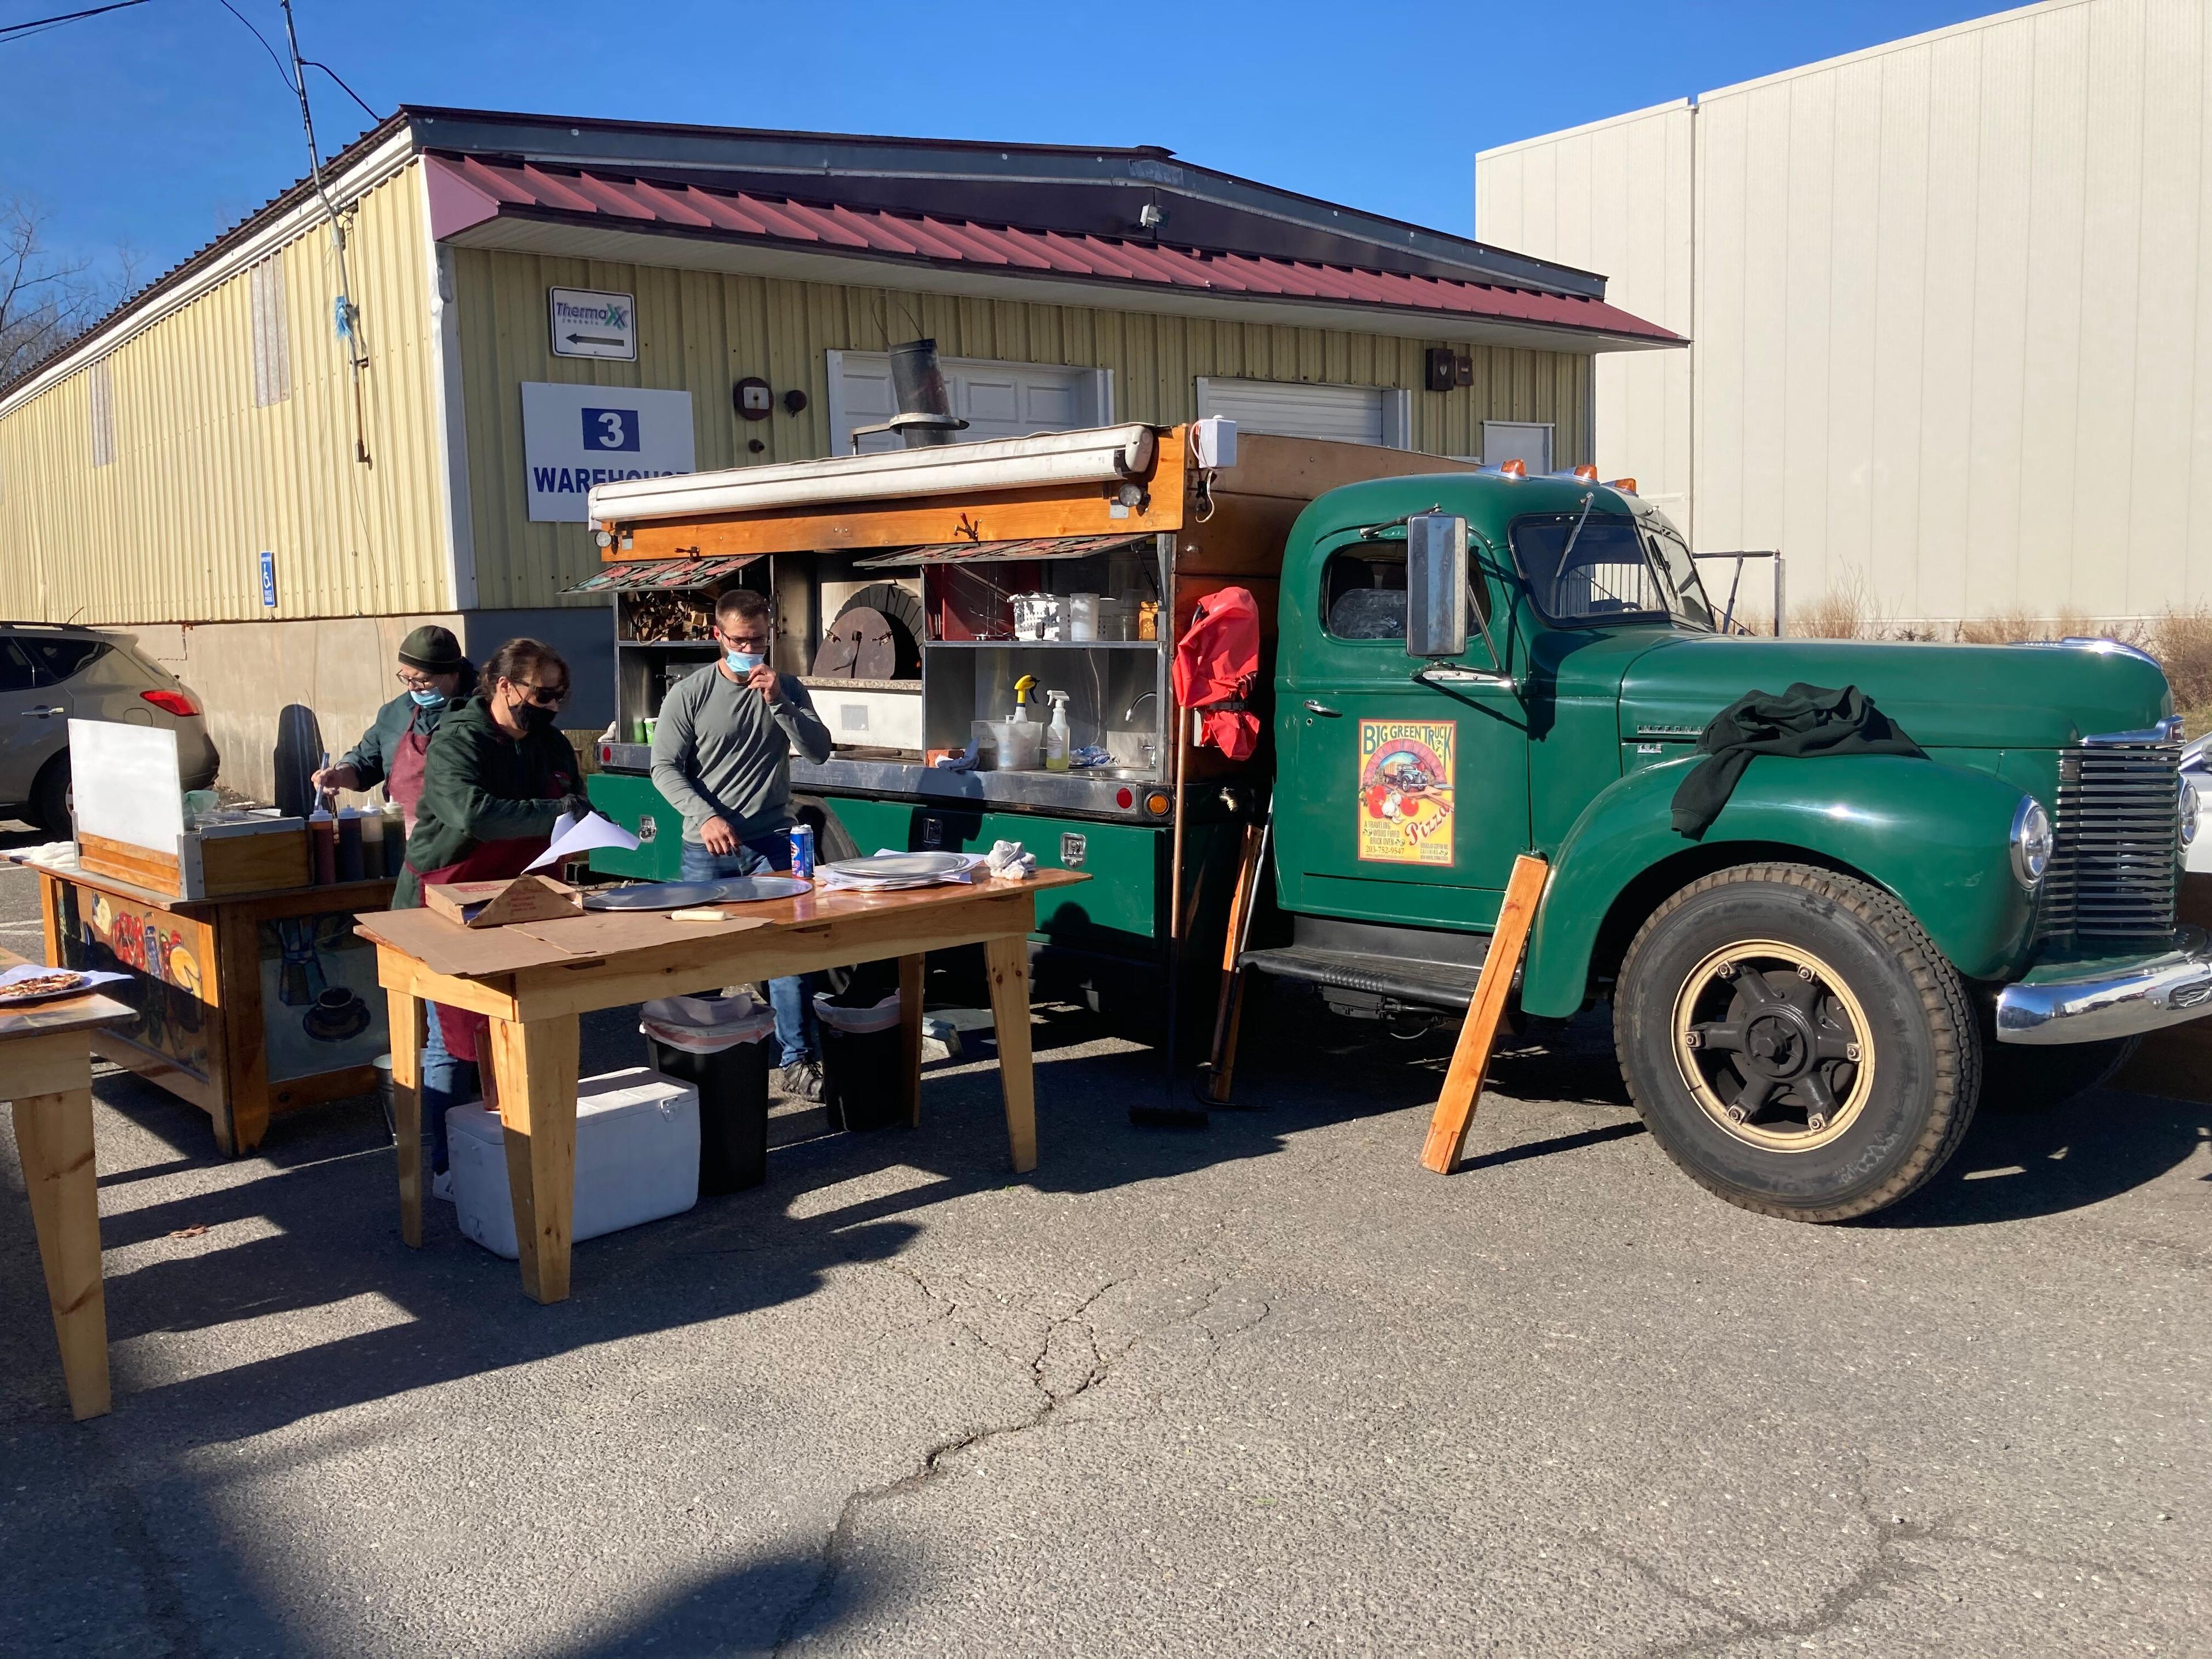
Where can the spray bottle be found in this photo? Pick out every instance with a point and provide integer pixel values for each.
(1056, 734)
(1018, 751)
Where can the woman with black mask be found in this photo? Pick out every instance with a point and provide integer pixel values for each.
(496, 778)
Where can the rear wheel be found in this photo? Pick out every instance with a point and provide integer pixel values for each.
(50, 797)
(1795, 1042)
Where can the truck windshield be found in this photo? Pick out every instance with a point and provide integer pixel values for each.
(1609, 568)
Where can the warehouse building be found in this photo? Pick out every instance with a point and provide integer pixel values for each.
(1951, 303)
(270, 501)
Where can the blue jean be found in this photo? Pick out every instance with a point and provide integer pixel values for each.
(447, 1082)
(793, 998)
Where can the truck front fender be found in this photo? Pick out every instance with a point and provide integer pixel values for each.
(1936, 836)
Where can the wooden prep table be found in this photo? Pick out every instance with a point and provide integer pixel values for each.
(46, 1060)
(533, 980)
(244, 1006)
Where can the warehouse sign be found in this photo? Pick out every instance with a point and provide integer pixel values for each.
(589, 324)
(575, 436)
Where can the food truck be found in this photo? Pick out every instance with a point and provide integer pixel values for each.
(1810, 992)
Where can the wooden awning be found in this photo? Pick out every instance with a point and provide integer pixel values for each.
(662, 573)
(1040, 547)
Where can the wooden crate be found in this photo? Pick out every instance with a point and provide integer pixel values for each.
(218, 862)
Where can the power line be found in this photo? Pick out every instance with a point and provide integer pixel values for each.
(348, 90)
(282, 73)
(36, 24)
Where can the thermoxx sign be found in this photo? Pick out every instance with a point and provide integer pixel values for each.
(575, 436)
(589, 324)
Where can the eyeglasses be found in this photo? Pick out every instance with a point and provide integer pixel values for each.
(541, 696)
(743, 641)
(414, 682)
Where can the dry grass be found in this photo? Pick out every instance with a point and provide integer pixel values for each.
(2182, 642)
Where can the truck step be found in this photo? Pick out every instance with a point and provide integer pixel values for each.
(1431, 984)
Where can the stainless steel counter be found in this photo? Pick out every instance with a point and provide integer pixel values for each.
(1045, 792)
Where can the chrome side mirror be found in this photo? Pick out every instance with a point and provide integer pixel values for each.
(1436, 585)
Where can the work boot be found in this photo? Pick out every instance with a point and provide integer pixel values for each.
(800, 1080)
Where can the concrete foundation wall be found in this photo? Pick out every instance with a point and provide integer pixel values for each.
(246, 673)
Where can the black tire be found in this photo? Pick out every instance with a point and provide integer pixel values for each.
(1873, 1019)
(2020, 1078)
(50, 797)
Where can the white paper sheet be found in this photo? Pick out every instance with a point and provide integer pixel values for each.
(572, 837)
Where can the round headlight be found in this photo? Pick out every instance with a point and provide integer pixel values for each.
(2032, 841)
(2188, 809)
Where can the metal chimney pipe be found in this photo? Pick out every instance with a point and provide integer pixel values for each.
(918, 385)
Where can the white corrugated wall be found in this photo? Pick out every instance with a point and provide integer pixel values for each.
(1951, 310)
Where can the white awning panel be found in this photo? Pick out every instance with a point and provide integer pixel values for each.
(1098, 455)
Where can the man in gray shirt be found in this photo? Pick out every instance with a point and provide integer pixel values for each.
(721, 756)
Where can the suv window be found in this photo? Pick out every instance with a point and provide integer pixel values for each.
(56, 659)
(15, 671)
(1362, 592)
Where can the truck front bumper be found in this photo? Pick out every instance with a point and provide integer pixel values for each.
(2092, 1006)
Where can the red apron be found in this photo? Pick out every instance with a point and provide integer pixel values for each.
(493, 860)
(403, 779)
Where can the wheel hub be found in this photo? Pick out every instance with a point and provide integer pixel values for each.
(1773, 1045)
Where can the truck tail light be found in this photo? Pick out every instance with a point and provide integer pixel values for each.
(1626, 486)
(1157, 803)
(173, 702)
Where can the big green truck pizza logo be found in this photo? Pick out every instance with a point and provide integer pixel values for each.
(1406, 769)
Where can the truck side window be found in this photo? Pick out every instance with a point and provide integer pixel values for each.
(1364, 593)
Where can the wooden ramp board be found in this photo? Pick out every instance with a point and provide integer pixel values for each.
(1471, 1058)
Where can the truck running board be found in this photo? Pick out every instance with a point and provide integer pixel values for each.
(1431, 984)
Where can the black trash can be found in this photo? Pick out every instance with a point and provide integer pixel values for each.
(732, 1086)
(861, 1084)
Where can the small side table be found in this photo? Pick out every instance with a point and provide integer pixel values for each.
(46, 1064)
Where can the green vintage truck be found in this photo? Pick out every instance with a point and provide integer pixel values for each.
(1809, 999)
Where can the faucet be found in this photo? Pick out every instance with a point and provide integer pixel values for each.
(1130, 713)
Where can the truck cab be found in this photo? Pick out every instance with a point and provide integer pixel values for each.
(1810, 992)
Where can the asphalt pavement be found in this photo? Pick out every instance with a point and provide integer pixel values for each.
(1265, 1387)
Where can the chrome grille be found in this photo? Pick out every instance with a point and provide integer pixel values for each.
(2113, 871)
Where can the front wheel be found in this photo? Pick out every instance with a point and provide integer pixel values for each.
(1795, 1042)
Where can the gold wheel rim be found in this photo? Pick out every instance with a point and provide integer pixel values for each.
(1782, 1061)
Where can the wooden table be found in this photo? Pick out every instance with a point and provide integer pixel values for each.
(533, 980)
(45, 1058)
(222, 990)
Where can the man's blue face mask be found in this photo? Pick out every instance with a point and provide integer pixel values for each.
(743, 662)
(430, 699)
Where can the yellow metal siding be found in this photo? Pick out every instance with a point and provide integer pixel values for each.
(701, 330)
(202, 480)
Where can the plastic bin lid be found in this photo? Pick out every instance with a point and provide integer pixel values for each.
(614, 1094)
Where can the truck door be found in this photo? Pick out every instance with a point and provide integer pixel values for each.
(1399, 802)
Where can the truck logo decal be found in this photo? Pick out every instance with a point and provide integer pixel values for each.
(1406, 773)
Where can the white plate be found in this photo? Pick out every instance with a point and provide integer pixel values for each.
(900, 866)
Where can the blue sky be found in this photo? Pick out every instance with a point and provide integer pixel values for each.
(161, 125)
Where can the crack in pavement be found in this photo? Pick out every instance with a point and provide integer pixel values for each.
(836, 1547)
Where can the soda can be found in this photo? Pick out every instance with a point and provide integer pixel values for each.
(802, 851)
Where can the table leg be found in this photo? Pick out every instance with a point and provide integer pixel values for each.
(53, 1133)
(535, 1065)
(1008, 961)
(912, 978)
(406, 1029)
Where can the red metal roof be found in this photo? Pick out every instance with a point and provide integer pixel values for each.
(466, 190)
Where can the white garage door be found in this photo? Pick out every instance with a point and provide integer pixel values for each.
(1295, 409)
(997, 400)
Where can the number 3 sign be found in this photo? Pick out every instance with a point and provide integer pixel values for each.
(610, 428)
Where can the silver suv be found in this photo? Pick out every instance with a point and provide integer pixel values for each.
(49, 675)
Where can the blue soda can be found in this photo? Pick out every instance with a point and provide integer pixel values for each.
(802, 851)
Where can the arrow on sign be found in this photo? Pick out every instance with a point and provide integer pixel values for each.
(592, 339)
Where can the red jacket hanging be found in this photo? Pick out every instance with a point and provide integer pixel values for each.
(1217, 666)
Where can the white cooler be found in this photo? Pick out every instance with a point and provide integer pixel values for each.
(637, 1158)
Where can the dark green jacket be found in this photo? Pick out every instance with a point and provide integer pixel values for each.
(371, 758)
(479, 785)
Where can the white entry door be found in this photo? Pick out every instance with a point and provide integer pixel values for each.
(1303, 409)
(997, 400)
